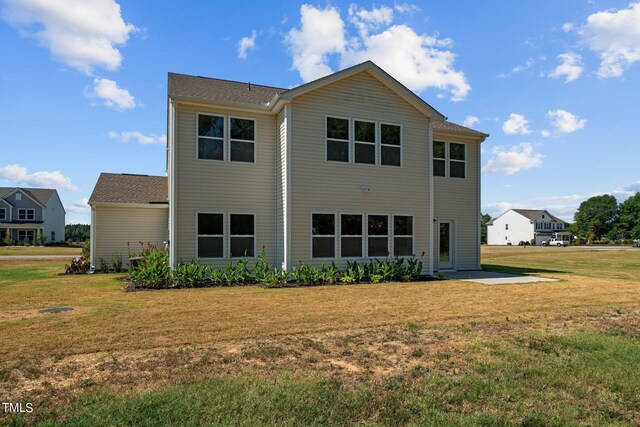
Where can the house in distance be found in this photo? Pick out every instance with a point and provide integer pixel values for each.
(525, 225)
(352, 166)
(28, 213)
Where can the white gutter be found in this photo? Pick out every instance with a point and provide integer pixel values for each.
(432, 249)
(171, 132)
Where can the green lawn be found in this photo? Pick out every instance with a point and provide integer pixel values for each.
(433, 353)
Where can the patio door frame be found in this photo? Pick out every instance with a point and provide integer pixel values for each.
(450, 265)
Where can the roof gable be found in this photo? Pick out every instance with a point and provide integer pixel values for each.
(534, 214)
(376, 72)
(39, 195)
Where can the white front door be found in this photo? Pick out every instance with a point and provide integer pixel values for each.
(445, 245)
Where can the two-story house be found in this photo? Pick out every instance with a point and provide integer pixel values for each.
(352, 166)
(525, 225)
(27, 213)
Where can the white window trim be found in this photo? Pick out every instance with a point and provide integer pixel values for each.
(413, 236)
(27, 232)
(352, 142)
(335, 235)
(444, 159)
(254, 235)
(375, 143)
(448, 160)
(224, 240)
(388, 235)
(26, 214)
(362, 236)
(401, 146)
(348, 141)
(4, 214)
(226, 137)
(254, 142)
(458, 161)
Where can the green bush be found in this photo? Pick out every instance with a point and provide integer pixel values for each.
(189, 275)
(153, 270)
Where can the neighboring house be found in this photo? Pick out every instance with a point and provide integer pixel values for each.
(27, 213)
(525, 225)
(127, 209)
(352, 166)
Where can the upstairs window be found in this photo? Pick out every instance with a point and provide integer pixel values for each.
(3, 213)
(242, 235)
(439, 158)
(243, 139)
(402, 235)
(365, 142)
(390, 145)
(210, 235)
(449, 159)
(18, 196)
(378, 232)
(456, 160)
(351, 236)
(26, 214)
(323, 235)
(210, 137)
(506, 226)
(337, 139)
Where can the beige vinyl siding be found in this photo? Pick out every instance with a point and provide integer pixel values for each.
(321, 186)
(457, 199)
(224, 187)
(117, 226)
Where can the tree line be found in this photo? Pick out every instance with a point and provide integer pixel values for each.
(602, 217)
(77, 232)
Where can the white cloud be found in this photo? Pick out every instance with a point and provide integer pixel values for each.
(111, 95)
(406, 8)
(368, 20)
(246, 44)
(470, 121)
(571, 67)
(565, 122)
(614, 35)
(418, 61)
(526, 66)
(516, 124)
(567, 27)
(321, 33)
(138, 137)
(19, 175)
(79, 207)
(545, 133)
(83, 34)
(513, 159)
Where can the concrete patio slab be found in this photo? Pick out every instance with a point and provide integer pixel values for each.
(493, 278)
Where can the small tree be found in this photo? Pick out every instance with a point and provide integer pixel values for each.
(596, 216)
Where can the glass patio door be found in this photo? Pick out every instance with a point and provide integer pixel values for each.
(445, 249)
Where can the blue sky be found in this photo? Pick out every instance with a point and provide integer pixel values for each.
(556, 84)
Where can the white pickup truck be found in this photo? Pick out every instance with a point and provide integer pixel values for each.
(554, 242)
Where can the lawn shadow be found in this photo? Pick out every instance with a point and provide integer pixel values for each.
(520, 271)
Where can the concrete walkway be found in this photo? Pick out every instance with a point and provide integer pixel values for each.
(493, 278)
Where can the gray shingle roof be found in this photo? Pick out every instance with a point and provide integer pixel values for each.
(129, 188)
(534, 214)
(453, 127)
(42, 195)
(209, 89)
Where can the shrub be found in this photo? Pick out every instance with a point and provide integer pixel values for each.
(116, 263)
(189, 275)
(79, 265)
(306, 274)
(262, 268)
(275, 279)
(102, 265)
(237, 274)
(153, 271)
(7, 240)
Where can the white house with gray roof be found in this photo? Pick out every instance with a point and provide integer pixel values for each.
(525, 225)
(352, 166)
(28, 213)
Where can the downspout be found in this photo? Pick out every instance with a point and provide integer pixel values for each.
(171, 131)
(432, 249)
(92, 237)
(286, 264)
